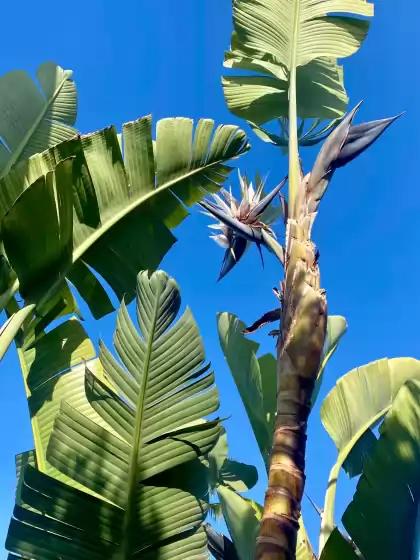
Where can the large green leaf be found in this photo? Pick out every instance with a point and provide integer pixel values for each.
(32, 120)
(359, 400)
(243, 519)
(240, 353)
(273, 38)
(382, 517)
(121, 209)
(338, 548)
(145, 464)
(304, 550)
(54, 370)
(238, 476)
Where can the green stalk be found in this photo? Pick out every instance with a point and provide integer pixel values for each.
(327, 518)
(294, 178)
(12, 326)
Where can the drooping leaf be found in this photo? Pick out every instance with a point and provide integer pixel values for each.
(240, 354)
(33, 119)
(242, 518)
(238, 476)
(145, 465)
(382, 517)
(273, 37)
(304, 550)
(122, 208)
(359, 400)
(317, 132)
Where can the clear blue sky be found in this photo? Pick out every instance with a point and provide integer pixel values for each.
(132, 58)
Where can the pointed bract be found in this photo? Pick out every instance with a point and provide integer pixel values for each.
(360, 137)
(233, 254)
(344, 144)
(265, 202)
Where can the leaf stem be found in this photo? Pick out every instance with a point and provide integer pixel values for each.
(294, 166)
(12, 326)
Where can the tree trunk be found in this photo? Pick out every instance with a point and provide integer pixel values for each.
(301, 339)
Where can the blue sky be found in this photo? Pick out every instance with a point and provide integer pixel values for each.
(132, 58)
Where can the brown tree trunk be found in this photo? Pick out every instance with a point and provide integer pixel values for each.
(301, 340)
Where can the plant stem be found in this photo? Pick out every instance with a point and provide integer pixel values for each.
(302, 336)
(294, 179)
(12, 326)
(303, 325)
(327, 518)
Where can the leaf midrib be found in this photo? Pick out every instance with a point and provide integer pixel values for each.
(18, 152)
(133, 470)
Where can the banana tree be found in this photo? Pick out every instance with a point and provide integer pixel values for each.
(83, 205)
(131, 443)
(294, 46)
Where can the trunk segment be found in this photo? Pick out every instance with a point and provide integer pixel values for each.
(301, 340)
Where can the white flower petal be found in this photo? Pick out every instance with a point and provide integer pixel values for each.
(221, 240)
(217, 226)
(222, 204)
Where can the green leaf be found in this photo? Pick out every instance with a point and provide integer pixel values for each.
(123, 209)
(381, 519)
(218, 455)
(273, 37)
(144, 461)
(358, 401)
(260, 99)
(32, 120)
(338, 548)
(38, 231)
(314, 134)
(362, 397)
(239, 476)
(53, 369)
(240, 353)
(242, 518)
(353, 465)
(304, 550)
(336, 328)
